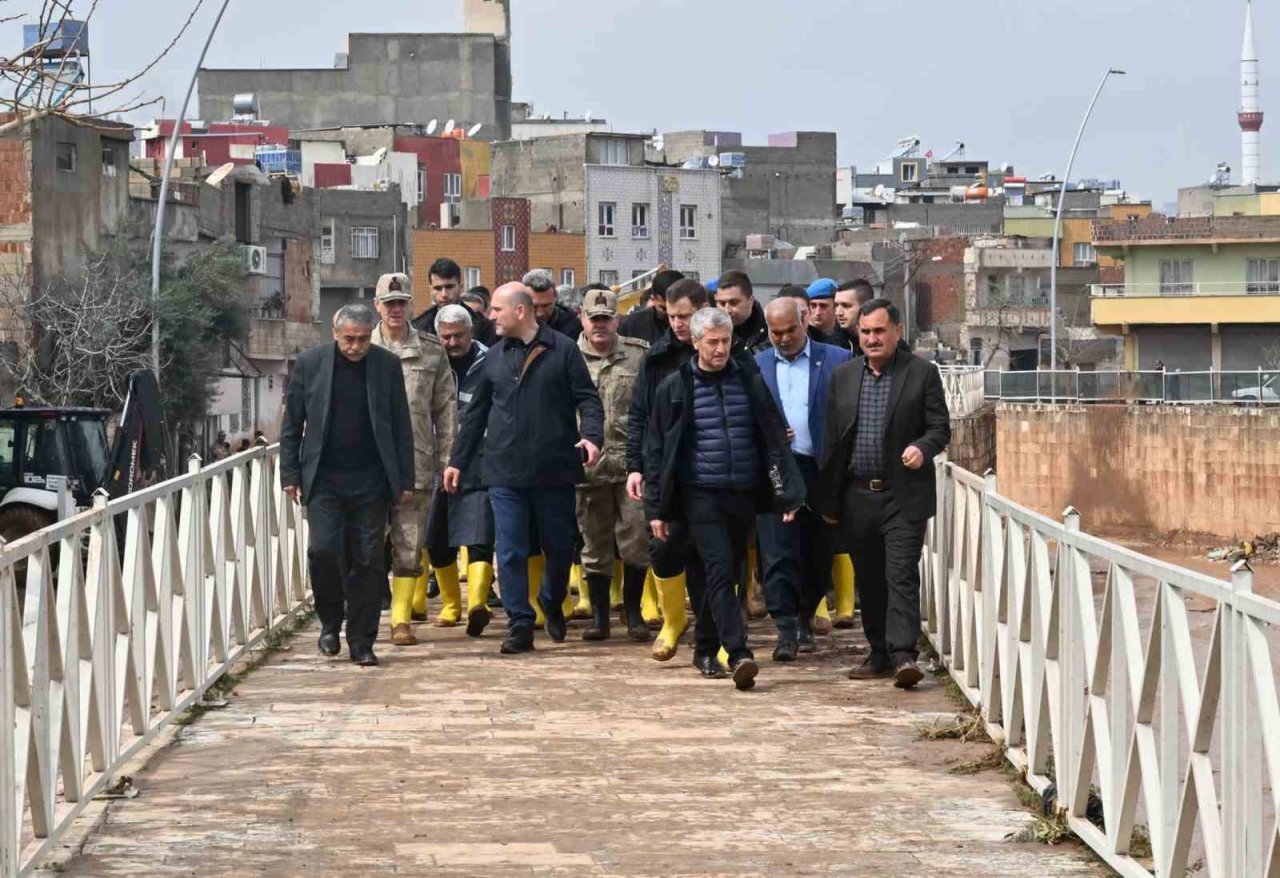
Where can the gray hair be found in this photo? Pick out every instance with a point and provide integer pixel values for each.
(785, 303)
(357, 314)
(569, 296)
(539, 280)
(709, 318)
(453, 315)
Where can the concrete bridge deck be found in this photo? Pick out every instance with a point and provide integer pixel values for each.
(578, 760)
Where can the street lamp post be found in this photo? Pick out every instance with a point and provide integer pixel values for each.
(158, 232)
(1057, 226)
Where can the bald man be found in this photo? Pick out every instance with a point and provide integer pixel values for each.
(539, 416)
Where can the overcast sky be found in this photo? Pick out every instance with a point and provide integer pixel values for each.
(1008, 77)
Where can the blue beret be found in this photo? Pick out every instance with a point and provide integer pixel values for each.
(822, 288)
(713, 285)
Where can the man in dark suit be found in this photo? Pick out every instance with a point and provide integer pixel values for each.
(797, 554)
(887, 419)
(346, 451)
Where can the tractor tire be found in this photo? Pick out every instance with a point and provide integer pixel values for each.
(18, 520)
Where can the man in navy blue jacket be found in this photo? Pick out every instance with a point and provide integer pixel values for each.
(797, 554)
(525, 409)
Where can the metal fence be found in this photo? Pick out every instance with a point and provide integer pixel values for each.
(964, 388)
(117, 620)
(1257, 387)
(1085, 664)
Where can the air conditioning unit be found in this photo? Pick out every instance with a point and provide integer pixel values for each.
(255, 258)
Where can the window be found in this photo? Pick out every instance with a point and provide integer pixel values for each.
(1084, 255)
(568, 277)
(694, 275)
(8, 435)
(614, 151)
(609, 278)
(1015, 288)
(972, 169)
(328, 235)
(639, 220)
(688, 221)
(508, 239)
(422, 183)
(65, 158)
(472, 277)
(1177, 277)
(1263, 276)
(364, 242)
(40, 450)
(637, 272)
(452, 188)
(910, 172)
(607, 210)
(108, 162)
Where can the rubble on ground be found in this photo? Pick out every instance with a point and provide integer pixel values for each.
(1264, 548)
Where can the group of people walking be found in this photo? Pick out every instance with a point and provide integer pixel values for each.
(664, 459)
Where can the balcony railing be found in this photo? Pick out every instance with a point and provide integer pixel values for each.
(1258, 387)
(1147, 291)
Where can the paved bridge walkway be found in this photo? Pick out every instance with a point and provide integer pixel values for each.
(579, 760)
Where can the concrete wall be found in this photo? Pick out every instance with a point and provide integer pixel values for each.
(1228, 265)
(548, 172)
(389, 78)
(1213, 470)
(353, 207)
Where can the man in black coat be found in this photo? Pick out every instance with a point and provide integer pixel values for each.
(445, 277)
(668, 558)
(546, 304)
(887, 419)
(736, 297)
(346, 451)
(650, 322)
(715, 454)
(526, 406)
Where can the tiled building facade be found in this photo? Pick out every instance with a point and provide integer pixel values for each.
(638, 217)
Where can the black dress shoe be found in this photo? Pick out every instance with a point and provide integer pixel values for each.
(433, 587)
(709, 666)
(638, 631)
(744, 673)
(329, 644)
(906, 674)
(556, 627)
(364, 657)
(874, 666)
(518, 641)
(494, 602)
(477, 618)
(785, 651)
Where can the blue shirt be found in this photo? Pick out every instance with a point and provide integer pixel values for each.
(793, 393)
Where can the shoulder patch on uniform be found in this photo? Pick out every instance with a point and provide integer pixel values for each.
(635, 342)
(429, 339)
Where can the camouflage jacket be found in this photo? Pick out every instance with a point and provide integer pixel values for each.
(433, 404)
(614, 376)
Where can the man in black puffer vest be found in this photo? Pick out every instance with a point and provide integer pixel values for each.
(715, 453)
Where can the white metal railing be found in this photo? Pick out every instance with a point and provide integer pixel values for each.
(1083, 660)
(964, 387)
(1253, 387)
(151, 598)
(1182, 290)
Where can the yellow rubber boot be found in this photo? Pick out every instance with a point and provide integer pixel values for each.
(674, 618)
(650, 610)
(402, 610)
(842, 578)
(537, 564)
(420, 590)
(615, 587)
(479, 579)
(822, 618)
(450, 596)
(723, 658)
(582, 609)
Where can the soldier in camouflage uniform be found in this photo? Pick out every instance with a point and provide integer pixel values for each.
(612, 524)
(430, 386)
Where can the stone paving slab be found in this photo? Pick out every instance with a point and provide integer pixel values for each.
(580, 760)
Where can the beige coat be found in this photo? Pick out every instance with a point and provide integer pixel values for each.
(614, 376)
(433, 406)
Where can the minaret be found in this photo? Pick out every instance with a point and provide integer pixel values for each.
(1250, 115)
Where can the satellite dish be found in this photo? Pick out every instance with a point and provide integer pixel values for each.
(587, 117)
(449, 126)
(474, 129)
(215, 179)
(432, 125)
(659, 144)
(713, 161)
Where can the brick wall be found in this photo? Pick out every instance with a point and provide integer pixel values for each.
(509, 265)
(15, 182)
(1213, 470)
(973, 441)
(470, 248)
(558, 251)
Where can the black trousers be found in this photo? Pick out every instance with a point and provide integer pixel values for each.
(719, 524)
(347, 511)
(669, 558)
(886, 559)
(797, 559)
